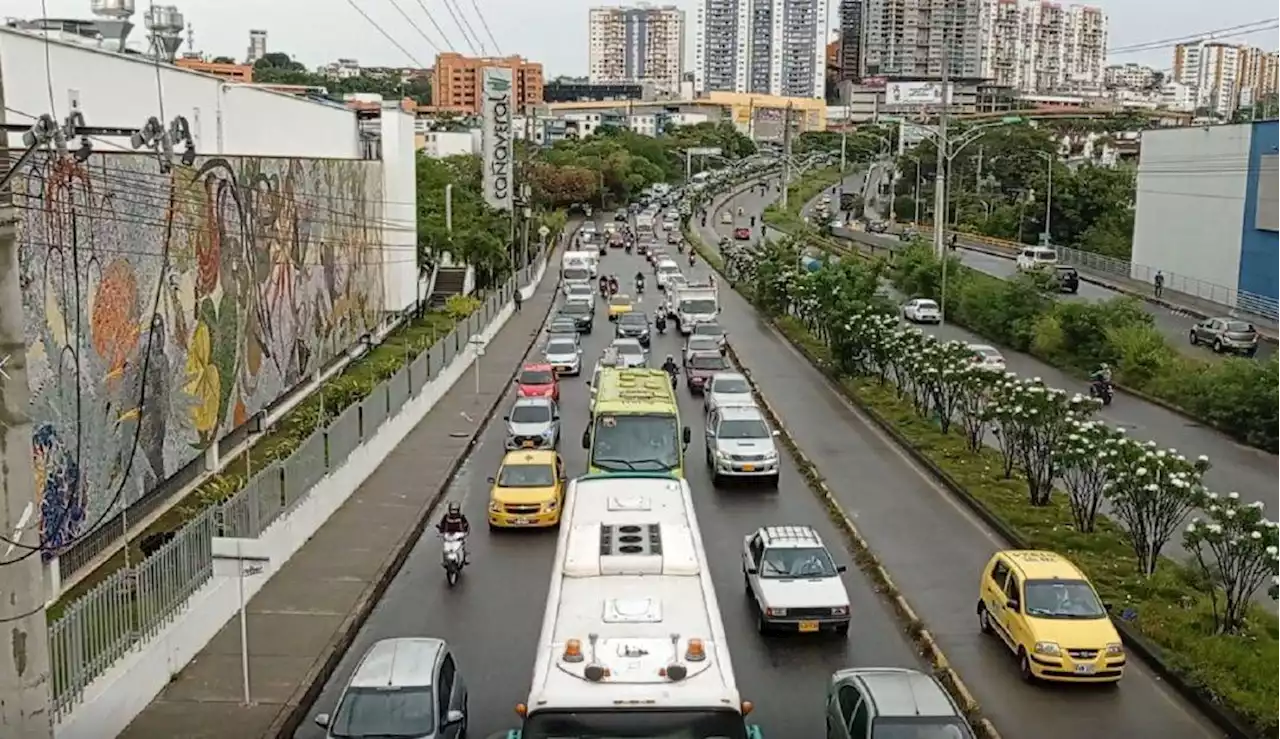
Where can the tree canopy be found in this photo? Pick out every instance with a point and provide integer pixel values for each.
(278, 68)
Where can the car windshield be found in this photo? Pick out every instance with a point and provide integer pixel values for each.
(575, 308)
(580, 290)
(919, 728)
(790, 562)
(635, 724)
(985, 352)
(708, 362)
(633, 319)
(526, 476)
(629, 349)
(742, 429)
(560, 348)
(577, 273)
(730, 386)
(531, 413)
(708, 329)
(537, 377)
(1240, 327)
(669, 269)
(698, 305)
(635, 443)
(402, 712)
(563, 326)
(1064, 599)
(702, 344)
(926, 305)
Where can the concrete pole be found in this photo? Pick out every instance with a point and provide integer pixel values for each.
(786, 154)
(940, 184)
(24, 656)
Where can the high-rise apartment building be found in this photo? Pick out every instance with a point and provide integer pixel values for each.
(1222, 74)
(852, 35)
(1130, 76)
(641, 44)
(770, 47)
(257, 46)
(1036, 46)
(907, 38)
(455, 82)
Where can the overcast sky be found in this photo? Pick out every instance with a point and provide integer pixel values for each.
(554, 32)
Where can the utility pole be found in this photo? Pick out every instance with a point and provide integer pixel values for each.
(939, 180)
(786, 154)
(24, 658)
(844, 147)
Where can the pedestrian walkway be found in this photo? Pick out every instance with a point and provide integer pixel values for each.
(302, 614)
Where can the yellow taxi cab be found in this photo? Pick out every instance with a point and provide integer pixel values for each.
(528, 490)
(1047, 613)
(618, 305)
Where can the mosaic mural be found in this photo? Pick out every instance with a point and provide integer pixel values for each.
(164, 309)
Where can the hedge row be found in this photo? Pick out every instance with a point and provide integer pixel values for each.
(1176, 607)
(1237, 396)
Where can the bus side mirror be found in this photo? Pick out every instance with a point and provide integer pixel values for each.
(686, 435)
(586, 439)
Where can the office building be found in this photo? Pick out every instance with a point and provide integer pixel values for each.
(1035, 46)
(1222, 74)
(851, 40)
(257, 46)
(768, 47)
(641, 44)
(906, 38)
(455, 83)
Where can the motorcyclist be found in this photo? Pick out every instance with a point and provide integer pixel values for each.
(660, 320)
(671, 368)
(454, 522)
(1102, 375)
(613, 284)
(692, 257)
(604, 284)
(639, 282)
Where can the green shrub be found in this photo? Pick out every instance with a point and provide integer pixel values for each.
(458, 307)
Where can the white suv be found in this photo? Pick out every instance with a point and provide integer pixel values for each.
(793, 582)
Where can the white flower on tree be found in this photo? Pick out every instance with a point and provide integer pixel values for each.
(943, 365)
(1005, 420)
(1152, 492)
(1086, 455)
(1038, 417)
(1236, 548)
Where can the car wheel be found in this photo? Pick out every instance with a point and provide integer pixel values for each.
(1191, 338)
(762, 626)
(1250, 353)
(746, 583)
(1217, 346)
(984, 619)
(1024, 667)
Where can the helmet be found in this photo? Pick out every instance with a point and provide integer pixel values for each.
(455, 509)
(670, 358)
(1106, 366)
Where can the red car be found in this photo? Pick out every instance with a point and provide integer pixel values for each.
(538, 381)
(742, 234)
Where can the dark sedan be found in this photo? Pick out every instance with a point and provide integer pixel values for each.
(634, 325)
(582, 313)
(1068, 279)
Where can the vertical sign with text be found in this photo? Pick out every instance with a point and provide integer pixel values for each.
(497, 155)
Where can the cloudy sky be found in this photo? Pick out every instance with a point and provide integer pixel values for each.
(555, 31)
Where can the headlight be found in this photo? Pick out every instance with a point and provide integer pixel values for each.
(840, 611)
(1115, 650)
(550, 506)
(779, 612)
(722, 456)
(1047, 648)
(772, 456)
(495, 507)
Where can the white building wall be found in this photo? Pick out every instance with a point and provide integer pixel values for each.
(1191, 199)
(442, 144)
(399, 210)
(114, 90)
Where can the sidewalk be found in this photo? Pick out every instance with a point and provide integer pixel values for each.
(313, 605)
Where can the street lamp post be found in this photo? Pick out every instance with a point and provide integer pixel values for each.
(1048, 199)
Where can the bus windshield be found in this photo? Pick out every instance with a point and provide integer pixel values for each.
(635, 443)
(703, 724)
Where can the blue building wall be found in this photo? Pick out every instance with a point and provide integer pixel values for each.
(1259, 250)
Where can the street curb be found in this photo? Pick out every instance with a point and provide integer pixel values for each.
(296, 709)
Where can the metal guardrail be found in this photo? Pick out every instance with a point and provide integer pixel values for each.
(132, 605)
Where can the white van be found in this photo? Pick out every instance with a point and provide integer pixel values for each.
(1037, 257)
(667, 268)
(588, 260)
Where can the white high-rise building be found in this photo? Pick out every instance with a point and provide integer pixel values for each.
(906, 38)
(643, 44)
(768, 47)
(1038, 46)
(257, 45)
(1221, 73)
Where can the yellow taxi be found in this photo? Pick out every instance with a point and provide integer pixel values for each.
(528, 490)
(618, 305)
(1047, 613)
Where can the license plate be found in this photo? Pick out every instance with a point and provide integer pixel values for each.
(521, 521)
(748, 468)
(807, 627)
(1085, 669)
(528, 445)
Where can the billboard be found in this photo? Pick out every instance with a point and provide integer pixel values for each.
(913, 94)
(497, 157)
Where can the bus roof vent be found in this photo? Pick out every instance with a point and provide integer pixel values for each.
(630, 549)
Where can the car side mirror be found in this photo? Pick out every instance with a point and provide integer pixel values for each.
(322, 720)
(752, 571)
(492, 480)
(506, 418)
(586, 439)
(777, 432)
(686, 434)
(454, 717)
(1106, 607)
(1014, 605)
(842, 568)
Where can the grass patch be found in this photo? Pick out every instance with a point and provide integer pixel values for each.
(1172, 607)
(799, 193)
(340, 392)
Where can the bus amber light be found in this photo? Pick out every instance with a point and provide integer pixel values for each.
(747, 708)
(522, 710)
(573, 651)
(695, 652)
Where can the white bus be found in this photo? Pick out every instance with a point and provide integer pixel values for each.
(632, 642)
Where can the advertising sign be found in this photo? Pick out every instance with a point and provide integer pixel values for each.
(497, 155)
(704, 151)
(913, 94)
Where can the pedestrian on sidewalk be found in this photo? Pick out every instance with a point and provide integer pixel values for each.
(1159, 283)
(519, 299)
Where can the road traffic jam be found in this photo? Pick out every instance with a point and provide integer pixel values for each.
(633, 642)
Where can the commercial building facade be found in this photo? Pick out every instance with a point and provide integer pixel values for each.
(764, 47)
(455, 82)
(852, 42)
(641, 44)
(1207, 211)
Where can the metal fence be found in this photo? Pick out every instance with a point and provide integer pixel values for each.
(132, 605)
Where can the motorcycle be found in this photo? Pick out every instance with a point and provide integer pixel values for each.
(691, 259)
(1101, 389)
(639, 288)
(660, 323)
(680, 248)
(453, 556)
(675, 373)
(628, 248)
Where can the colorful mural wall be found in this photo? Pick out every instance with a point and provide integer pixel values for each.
(164, 309)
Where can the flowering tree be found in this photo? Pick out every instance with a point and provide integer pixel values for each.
(1152, 492)
(1086, 455)
(1005, 420)
(975, 385)
(1236, 548)
(1039, 417)
(944, 362)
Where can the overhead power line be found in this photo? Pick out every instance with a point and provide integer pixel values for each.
(1243, 29)
(385, 35)
(430, 41)
(485, 24)
(434, 24)
(457, 21)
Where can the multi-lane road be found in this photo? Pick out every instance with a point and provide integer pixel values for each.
(932, 547)
(493, 617)
(1236, 468)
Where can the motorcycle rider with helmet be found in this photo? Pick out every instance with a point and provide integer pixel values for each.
(455, 521)
(639, 282)
(671, 368)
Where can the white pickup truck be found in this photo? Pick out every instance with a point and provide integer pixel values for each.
(694, 304)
